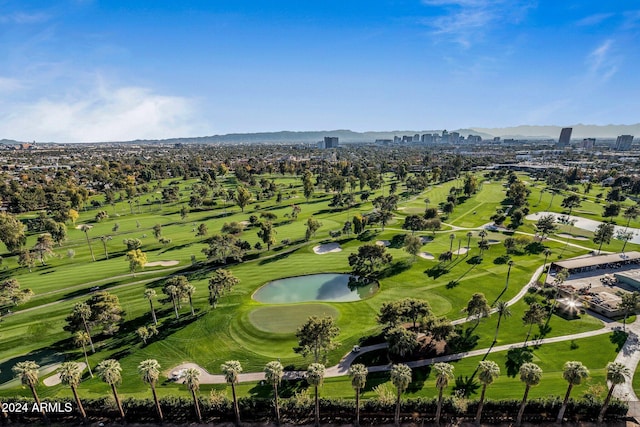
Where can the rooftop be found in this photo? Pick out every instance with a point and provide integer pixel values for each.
(574, 263)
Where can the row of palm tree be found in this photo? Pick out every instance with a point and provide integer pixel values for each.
(110, 372)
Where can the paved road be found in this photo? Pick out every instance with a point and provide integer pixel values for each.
(629, 356)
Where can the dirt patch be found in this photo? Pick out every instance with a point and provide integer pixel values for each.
(162, 263)
(327, 248)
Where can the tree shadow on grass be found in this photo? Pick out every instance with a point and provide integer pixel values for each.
(436, 271)
(618, 338)
(419, 376)
(395, 268)
(465, 340)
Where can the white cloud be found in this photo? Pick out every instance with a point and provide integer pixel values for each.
(468, 20)
(9, 85)
(24, 18)
(102, 114)
(594, 19)
(600, 63)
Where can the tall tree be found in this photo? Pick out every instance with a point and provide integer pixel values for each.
(85, 229)
(267, 234)
(81, 339)
(137, 259)
(444, 374)
(242, 197)
(573, 373)
(191, 379)
(603, 234)
(273, 372)
(412, 245)
(617, 374)
(546, 225)
(477, 307)
(401, 378)
(12, 232)
(570, 202)
(70, 374)
(150, 294)
(43, 247)
(534, 315)
(307, 184)
(358, 374)
(316, 336)
(315, 378)
(369, 259)
(27, 372)
(312, 227)
(629, 304)
(82, 314)
(222, 280)
(630, 213)
(401, 341)
(110, 372)
(488, 371)
(231, 370)
(149, 371)
(502, 308)
(104, 240)
(530, 375)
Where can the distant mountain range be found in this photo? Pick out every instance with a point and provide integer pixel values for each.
(580, 131)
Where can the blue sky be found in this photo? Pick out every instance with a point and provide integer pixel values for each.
(92, 70)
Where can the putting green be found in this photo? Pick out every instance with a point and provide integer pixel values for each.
(287, 318)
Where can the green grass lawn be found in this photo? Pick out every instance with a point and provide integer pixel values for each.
(239, 327)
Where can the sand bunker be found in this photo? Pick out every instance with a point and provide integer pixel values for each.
(327, 248)
(571, 236)
(426, 255)
(245, 223)
(425, 239)
(55, 379)
(493, 241)
(162, 263)
(383, 242)
(461, 251)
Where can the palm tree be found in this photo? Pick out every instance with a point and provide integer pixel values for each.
(231, 370)
(488, 371)
(189, 289)
(110, 372)
(85, 229)
(358, 374)
(506, 285)
(315, 377)
(174, 294)
(104, 240)
(546, 253)
(573, 373)
(83, 311)
(149, 370)
(401, 378)
(503, 310)
(273, 372)
(444, 374)
(27, 371)
(469, 235)
(81, 339)
(630, 213)
(150, 294)
(617, 373)
(451, 238)
(530, 375)
(192, 381)
(70, 374)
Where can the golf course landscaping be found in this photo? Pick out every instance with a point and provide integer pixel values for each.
(297, 274)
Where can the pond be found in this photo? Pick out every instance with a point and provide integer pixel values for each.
(331, 287)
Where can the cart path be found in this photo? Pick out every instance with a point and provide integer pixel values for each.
(342, 368)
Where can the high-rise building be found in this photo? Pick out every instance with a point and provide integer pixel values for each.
(565, 137)
(330, 142)
(588, 143)
(623, 142)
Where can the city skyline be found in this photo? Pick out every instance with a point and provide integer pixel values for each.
(82, 70)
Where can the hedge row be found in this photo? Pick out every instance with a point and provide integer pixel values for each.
(181, 410)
